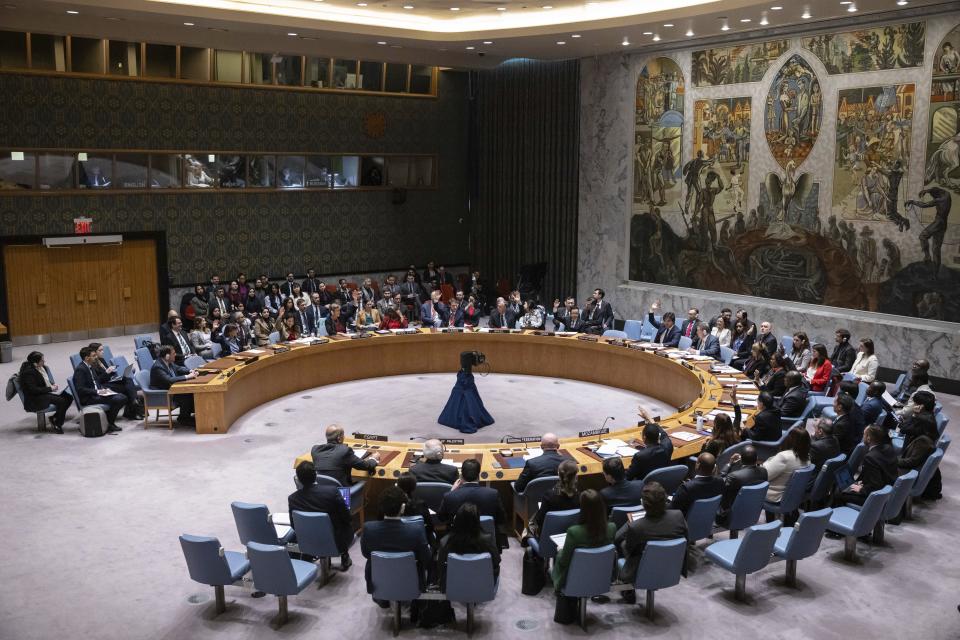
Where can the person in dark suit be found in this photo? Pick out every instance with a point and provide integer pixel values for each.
(334, 323)
(603, 310)
(573, 322)
(708, 345)
(176, 338)
(164, 329)
(563, 497)
(165, 373)
(39, 390)
(873, 405)
(766, 338)
(541, 466)
(744, 472)
(794, 399)
(228, 340)
(306, 318)
(501, 317)
(336, 459)
(431, 467)
(824, 445)
(412, 295)
(454, 314)
(287, 287)
(912, 426)
(91, 392)
(658, 523)
(848, 425)
(655, 454)
(668, 333)
(315, 498)
(879, 467)
(767, 425)
(466, 537)
(312, 284)
(773, 381)
(393, 534)
(104, 371)
(844, 354)
(593, 321)
(433, 312)
(702, 485)
(468, 489)
(352, 308)
(913, 455)
(562, 312)
(742, 339)
(619, 491)
(691, 325)
(417, 507)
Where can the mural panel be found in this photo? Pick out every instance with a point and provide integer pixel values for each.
(732, 65)
(658, 135)
(894, 46)
(872, 153)
(794, 112)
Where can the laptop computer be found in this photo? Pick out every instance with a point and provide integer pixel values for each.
(126, 373)
(843, 478)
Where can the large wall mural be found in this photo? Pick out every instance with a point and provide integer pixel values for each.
(895, 46)
(851, 220)
(732, 65)
(658, 134)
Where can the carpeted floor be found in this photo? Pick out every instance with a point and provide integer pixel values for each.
(90, 531)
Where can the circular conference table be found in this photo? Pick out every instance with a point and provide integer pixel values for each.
(234, 385)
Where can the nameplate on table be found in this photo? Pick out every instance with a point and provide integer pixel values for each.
(359, 336)
(496, 330)
(369, 436)
(684, 407)
(541, 333)
(588, 338)
(593, 432)
(451, 329)
(452, 441)
(245, 358)
(520, 440)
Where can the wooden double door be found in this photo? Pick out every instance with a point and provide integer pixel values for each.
(78, 291)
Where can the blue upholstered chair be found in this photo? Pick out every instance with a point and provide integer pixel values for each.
(648, 331)
(108, 354)
(856, 458)
(76, 396)
(524, 502)
(807, 411)
(276, 573)
(944, 443)
(769, 448)
(923, 479)
(431, 493)
(793, 493)
(140, 341)
(193, 361)
(209, 564)
(555, 522)
(315, 537)
(590, 574)
(726, 355)
(489, 525)
(395, 580)
(801, 540)
(143, 358)
(898, 385)
(153, 399)
(700, 518)
(620, 514)
(470, 581)
(724, 458)
(748, 555)
(852, 523)
(661, 566)
(746, 507)
(819, 494)
(254, 525)
(120, 362)
(42, 414)
(633, 329)
(787, 343)
(669, 477)
(273, 338)
(685, 343)
(75, 361)
(942, 421)
(893, 509)
(356, 493)
(614, 333)
(215, 350)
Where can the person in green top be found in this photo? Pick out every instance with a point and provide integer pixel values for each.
(593, 531)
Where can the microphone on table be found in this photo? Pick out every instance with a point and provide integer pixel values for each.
(605, 422)
(504, 439)
(418, 437)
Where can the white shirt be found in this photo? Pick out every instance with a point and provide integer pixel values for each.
(722, 336)
(865, 367)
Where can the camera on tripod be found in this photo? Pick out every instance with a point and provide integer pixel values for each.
(469, 359)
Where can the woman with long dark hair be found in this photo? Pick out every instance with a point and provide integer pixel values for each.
(564, 496)
(39, 390)
(801, 353)
(818, 372)
(466, 536)
(794, 453)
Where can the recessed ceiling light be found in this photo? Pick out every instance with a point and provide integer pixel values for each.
(852, 8)
(689, 33)
(725, 27)
(745, 20)
(488, 42)
(561, 42)
(764, 21)
(381, 42)
(806, 14)
(361, 4)
(668, 24)
(656, 38)
(188, 24)
(501, 8)
(547, 7)
(72, 12)
(575, 35)
(291, 34)
(648, 33)
(776, 8)
(408, 6)
(625, 42)
(900, 3)
(470, 48)
(454, 8)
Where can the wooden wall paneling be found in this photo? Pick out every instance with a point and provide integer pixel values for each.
(67, 292)
(28, 292)
(139, 300)
(102, 281)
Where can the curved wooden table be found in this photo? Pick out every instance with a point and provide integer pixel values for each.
(223, 397)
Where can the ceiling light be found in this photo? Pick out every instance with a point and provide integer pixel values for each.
(488, 42)
(454, 8)
(776, 8)
(689, 33)
(852, 8)
(648, 33)
(668, 24)
(575, 35)
(292, 34)
(547, 7)
(211, 158)
(408, 6)
(16, 156)
(470, 48)
(501, 8)
(361, 4)
(188, 24)
(381, 42)
(656, 38)
(625, 42)
(806, 14)
(763, 20)
(72, 12)
(846, 2)
(561, 42)
(900, 3)
(726, 25)
(744, 19)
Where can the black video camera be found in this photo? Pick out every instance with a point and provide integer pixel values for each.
(469, 359)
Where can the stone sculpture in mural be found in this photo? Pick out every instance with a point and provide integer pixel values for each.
(872, 153)
(793, 112)
(895, 46)
(658, 135)
(731, 65)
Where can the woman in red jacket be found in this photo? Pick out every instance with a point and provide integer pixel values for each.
(392, 319)
(818, 373)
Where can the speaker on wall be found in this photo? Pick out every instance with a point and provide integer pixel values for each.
(399, 196)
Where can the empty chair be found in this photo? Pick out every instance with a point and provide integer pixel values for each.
(620, 514)
(141, 341)
(120, 362)
(315, 537)
(923, 479)
(431, 493)
(747, 555)
(670, 477)
(801, 540)
(590, 574)
(894, 506)
(823, 484)
(746, 507)
(661, 566)
(726, 354)
(856, 458)
(700, 518)
(276, 573)
(648, 332)
(685, 343)
(633, 329)
(356, 493)
(193, 361)
(75, 361)
(273, 338)
(395, 580)
(942, 422)
(254, 525)
(143, 358)
(613, 333)
(786, 342)
(793, 493)
(470, 581)
(853, 523)
(216, 350)
(153, 399)
(209, 564)
(525, 502)
(555, 522)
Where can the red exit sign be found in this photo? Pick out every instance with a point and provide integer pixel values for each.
(82, 225)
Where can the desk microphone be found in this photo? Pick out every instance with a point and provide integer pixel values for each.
(504, 439)
(418, 437)
(605, 422)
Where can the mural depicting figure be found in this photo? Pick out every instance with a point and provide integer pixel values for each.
(872, 153)
(895, 46)
(658, 136)
(732, 65)
(794, 112)
(721, 131)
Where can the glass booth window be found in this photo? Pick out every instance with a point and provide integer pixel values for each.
(421, 174)
(262, 171)
(94, 171)
(227, 66)
(17, 169)
(398, 171)
(161, 61)
(371, 73)
(232, 169)
(290, 172)
(258, 68)
(48, 53)
(165, 170)
(124, 58)
(200, 171)
(288, 70)
(318, 173)
(345, 74)
(317, 73)
(13, 49)
(346, 171)
(194, 64)
(371, 171)
(55, 170)
(86, 55)
(421, 79)
(130, 171)
(396, 81)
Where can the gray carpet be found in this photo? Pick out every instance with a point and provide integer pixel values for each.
(90, 532)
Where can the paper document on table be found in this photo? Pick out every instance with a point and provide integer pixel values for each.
(747, 386)
(636, 515)
(533, 453)
(889, 399)
(607, 450)
(451, 462)
(483, 330)
(625, 452)
(282, 530)
(713, 414)
(746, 403)
(700, 358)
(726, 379)
(280, 518)
(559, 539)
(360, 453)
(686, 436)
(725, 369)
(255, 352)
(616, 442)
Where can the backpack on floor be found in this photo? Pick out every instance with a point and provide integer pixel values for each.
(93, 422)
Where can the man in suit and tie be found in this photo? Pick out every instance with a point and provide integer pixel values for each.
(690, 326)
(445, 277)
(412, 295)
(454, 314)
(561, 313)
(306, 318)
(501, 317)
(591, 318)
(744, 472)
(708, 345)
(702, 485)
(668, 333)
(844, 354)
(316, 498)
(433, 312)
(335, 459)
(658, 523)
(468, 489)
(176, 338)
(619, 491)
(767, 425)
(286, 289)
(431, 467)
(543, 465)
(794, 399)
(394, 535)
(879, 467)
(165, 373)
(91, 392)
(219, 300)
(769, 341)
(312, 284)
(873, 404)
(604, 310)
(824, 445)
(656, 452)
(848, 425)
